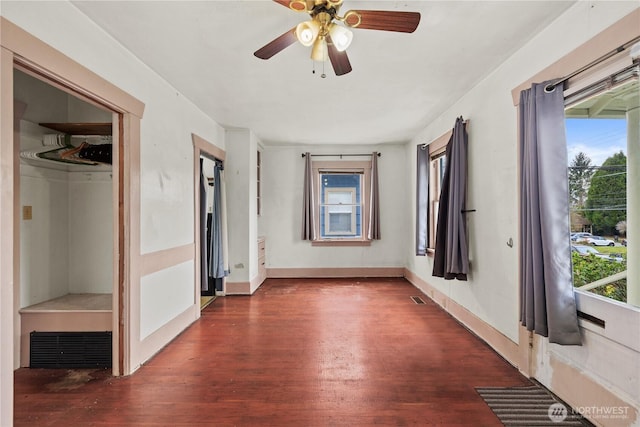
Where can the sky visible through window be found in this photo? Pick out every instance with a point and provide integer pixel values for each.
(597, 138)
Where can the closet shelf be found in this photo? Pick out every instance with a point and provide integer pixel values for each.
(98, 129)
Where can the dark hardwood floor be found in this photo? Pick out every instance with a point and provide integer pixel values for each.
(344, 352)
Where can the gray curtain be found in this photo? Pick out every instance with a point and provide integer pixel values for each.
(374, 203)
(548, 304)
(217, 265)
(451, 258)
(422, 200)
(204, 269)
(308, 201)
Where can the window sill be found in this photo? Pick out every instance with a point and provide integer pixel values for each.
(340, 242)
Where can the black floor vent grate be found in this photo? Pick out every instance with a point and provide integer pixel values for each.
(70, 350)
(417, 300)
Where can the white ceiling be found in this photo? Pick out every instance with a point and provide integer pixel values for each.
(399, 83)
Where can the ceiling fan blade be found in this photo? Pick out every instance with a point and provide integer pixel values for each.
(285, 3)
(297, 5)
(339, 60)
(277, 44)
(403, 22)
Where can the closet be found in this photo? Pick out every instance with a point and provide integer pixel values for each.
(66, 228)
(213, 229)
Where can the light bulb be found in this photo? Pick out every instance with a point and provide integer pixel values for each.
(307, 32)
(341, 37)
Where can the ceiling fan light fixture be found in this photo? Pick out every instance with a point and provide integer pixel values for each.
(320, 52)
(341, 37)
(307, 32)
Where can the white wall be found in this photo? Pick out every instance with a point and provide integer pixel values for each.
(44, 240)
(177, 296)
(169, 118)
(491, 293)
(282, 175)
(91, 233)
(166, 156)
(240, 177)
(67, 246)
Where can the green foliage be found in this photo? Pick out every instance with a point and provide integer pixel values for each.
(622, 250)
(580, 172)
(607, 196)
(588, 269)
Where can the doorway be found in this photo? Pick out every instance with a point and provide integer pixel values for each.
(68, 227)
(207, 192)
(211, 231)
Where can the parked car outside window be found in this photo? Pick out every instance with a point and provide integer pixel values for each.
(580, 237)
(599, 241)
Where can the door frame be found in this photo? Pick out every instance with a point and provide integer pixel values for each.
(20, 49)
(201, 147)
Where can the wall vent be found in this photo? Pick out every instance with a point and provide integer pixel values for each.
(70, 350)
(417, 300)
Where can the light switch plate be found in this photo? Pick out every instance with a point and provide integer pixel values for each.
(27, 212)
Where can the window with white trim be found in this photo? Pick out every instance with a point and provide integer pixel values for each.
(342, 200)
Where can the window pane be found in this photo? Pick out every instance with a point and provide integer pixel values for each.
(442, 163)
(597, 172)
(437, 168)
(340, 205)
(340, 201)
(339, 222)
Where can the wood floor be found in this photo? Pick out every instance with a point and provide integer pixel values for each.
(345, 352)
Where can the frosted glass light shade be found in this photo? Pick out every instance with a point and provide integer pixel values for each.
(307, 32)
(320, 51)
(341, 37)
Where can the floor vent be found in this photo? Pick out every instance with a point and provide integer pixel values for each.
(417, 300)
(70, 350)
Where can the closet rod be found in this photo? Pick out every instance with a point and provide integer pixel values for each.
(550, 87)
(340, 155)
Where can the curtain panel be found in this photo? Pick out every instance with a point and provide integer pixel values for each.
(547, 304)
(451, 257)
(308, 201)
(204, 265)
(217, 268)
(422, 200)
(374, 202)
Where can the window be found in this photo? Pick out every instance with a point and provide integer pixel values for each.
(341, 209)
(600, 120)
(428, 184)
(437, 163)
(342, 200)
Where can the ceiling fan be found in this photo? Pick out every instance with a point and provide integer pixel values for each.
(328, 33)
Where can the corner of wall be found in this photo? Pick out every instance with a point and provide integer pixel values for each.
(512, 352)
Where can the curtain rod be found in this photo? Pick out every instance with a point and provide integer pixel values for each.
(340, 155)
(550, 87)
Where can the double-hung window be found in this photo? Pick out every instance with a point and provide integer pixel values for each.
(602, 122)
(432, 182)
(342, 201)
